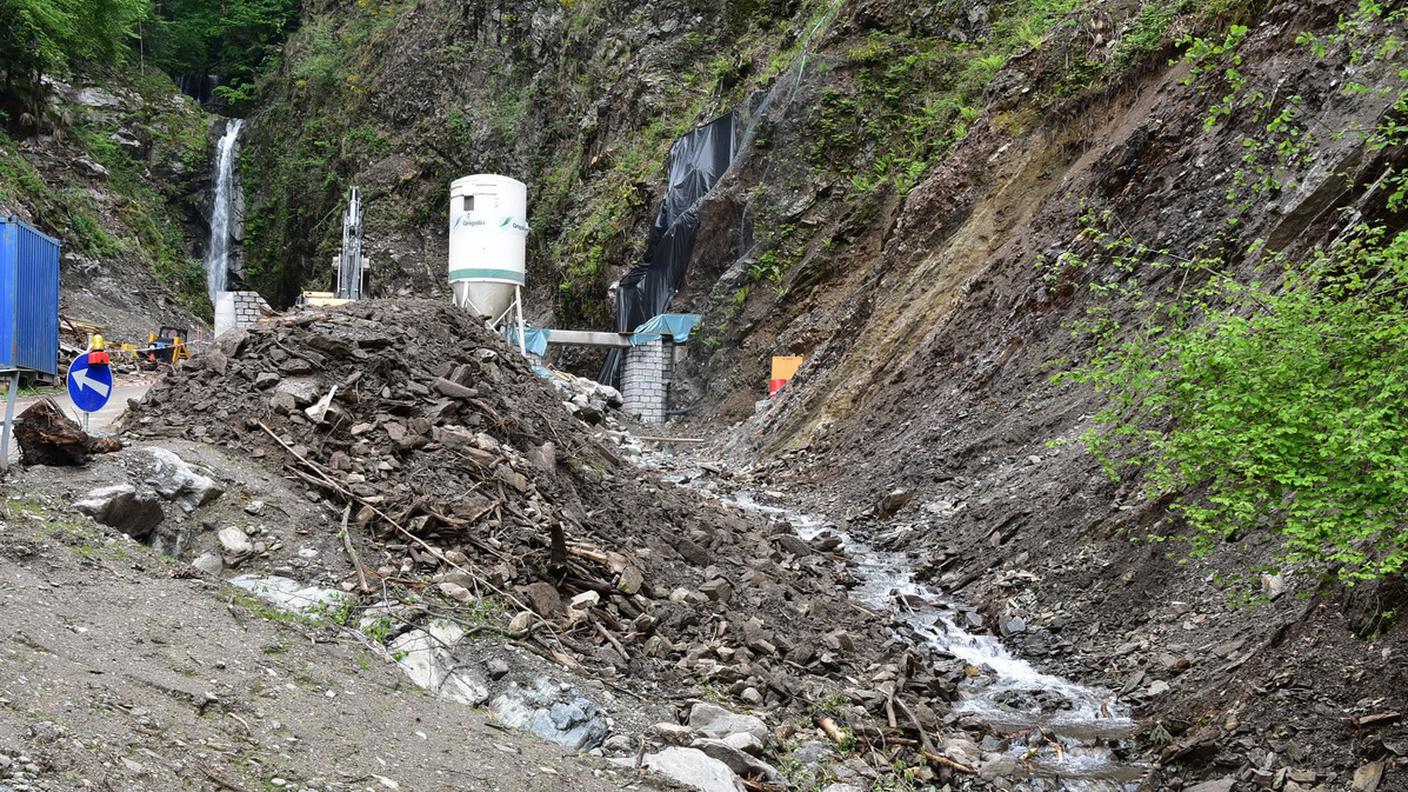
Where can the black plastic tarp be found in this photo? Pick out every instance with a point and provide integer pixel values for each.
(696, 163)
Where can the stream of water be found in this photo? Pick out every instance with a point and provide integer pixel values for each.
(217, 252)
(1059, 735)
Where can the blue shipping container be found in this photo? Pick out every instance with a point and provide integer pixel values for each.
(29, 298)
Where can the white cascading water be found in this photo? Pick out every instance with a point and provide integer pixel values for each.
(217, 253)
(1086, 731)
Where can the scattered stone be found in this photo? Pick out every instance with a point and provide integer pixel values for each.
(717, 590)
(290, 595)
(209, 563)
(630, 581)
(180, 482)
(585, 600)
(554, 712)
(618, 744)
(711, 720)
(254, 508)
(692, 768)
(1221, 785)
(893, 502)
(521, 623)
(497, 668)
(1368, 777)
(544, 599)
(672, 733)
(737, 760)
(235, 543)
(455, 592)
(427, 657)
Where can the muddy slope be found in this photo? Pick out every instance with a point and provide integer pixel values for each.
(932, 373)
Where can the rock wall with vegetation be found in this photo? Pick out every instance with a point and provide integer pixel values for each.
(117, 171)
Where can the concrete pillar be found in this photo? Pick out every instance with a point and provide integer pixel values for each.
(238, 309)
(645, 381)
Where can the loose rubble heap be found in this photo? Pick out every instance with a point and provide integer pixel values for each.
(455, 467)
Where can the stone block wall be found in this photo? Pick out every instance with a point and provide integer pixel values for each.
(646, 380)
(238, 309)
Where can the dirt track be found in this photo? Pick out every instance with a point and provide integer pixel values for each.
(120, 672)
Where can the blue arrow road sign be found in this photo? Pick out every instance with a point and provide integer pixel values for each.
(90, 388)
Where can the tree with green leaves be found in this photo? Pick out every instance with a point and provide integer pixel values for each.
(40, 37)
(228, 38)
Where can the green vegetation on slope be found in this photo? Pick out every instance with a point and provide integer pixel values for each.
(144, 223)
(39, 37)
(1275, 403)
(229, 38)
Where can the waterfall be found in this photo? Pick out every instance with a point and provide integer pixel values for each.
(217, 253)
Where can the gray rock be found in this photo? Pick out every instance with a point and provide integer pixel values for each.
(1221, 785)
(497, 668)
(304, 390)
(737, 760)
(619, 744)
(121, 506)
(235, 543)
(209, 563)
(97, 97)
(290, 595)
(711, 720)
(427, 657)
(554, 712)
(745, 742)
(91, 168)
(186, 485)
(893, 502)
(455, 591)
(672, 733)
(692, 768)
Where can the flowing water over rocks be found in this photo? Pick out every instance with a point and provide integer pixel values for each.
(217, 252)
(1054, 733)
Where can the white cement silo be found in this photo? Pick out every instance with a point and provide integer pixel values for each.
(488, 236)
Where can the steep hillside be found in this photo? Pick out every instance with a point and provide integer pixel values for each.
(932, 205)
(118, 176)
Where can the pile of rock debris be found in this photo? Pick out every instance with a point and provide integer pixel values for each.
(457, 468)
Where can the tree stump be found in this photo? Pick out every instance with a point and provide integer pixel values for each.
(47, 437)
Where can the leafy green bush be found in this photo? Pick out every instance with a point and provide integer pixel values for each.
(1273, 404)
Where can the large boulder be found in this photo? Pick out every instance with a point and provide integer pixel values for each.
(427, 658)
(738, 760)
(711, 720)
(692, 768)
(180, 482)
(554, 712)
(121, 506)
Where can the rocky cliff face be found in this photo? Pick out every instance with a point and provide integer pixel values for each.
(120, 181)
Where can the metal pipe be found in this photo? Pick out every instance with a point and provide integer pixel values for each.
(9, 420)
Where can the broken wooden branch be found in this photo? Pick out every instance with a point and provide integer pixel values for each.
(362, 583)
